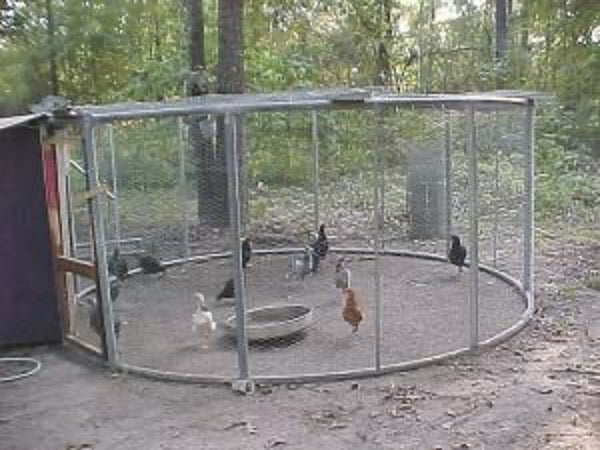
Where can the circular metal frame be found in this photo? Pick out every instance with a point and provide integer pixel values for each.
(343, 375)
(231, 107)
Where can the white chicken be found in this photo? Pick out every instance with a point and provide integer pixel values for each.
(202, 319)
(342, 274)
(300, 265)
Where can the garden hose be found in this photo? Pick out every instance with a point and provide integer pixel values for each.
(36, 368)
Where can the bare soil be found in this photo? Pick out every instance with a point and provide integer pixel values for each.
(424, 312)
(541, 390)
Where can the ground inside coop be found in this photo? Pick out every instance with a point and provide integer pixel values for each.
(425, 310)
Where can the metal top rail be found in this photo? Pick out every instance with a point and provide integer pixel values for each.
(293, 100)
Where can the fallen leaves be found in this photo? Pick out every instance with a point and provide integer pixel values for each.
(332, 419)
(246, 424)
(275, 443)
(544, 390)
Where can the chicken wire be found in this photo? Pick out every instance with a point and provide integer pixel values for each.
(390, 182)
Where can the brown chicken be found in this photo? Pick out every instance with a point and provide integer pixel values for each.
(351, 312)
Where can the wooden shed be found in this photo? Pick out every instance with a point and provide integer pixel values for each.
(29, 307)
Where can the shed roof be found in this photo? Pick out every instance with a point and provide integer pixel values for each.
(9, 122)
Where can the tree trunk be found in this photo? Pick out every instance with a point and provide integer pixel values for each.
(200, 135)
(501, 30)
(230, 70)
(524, 27)
(196, 27)
(501, 40)
(230, 75)
(52, 50)
(384, 72)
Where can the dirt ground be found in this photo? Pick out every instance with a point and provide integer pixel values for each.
(424, 311)
(540, 390)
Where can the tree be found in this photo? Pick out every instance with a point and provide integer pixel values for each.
(501, 38)
(197, 86)
(384, 67)
(52, 49)
(230, 69)
(230, 79)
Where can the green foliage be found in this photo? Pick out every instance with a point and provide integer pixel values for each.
(106, 51)
(568, 183)
(135, 50)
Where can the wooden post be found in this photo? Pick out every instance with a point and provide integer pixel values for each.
(52, 174)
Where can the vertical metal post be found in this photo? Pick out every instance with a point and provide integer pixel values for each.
(377, 242)
(529, 224)
(473, 231)
(316, 183)
(102, 282)
(448, 175)
(183, 189)
(496, 194)
(235, 220)
(114, 187)
(381, 170)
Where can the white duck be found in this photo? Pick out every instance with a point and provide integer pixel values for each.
(202, 319)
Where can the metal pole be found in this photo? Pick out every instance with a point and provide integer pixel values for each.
(316, 184)
(185, 251)
(235, 220)
(448, 169)
(95, 211)
(529, 224)
(496, 193)
(473, 231)
(377, 243)
(381, 169)
(113, 171)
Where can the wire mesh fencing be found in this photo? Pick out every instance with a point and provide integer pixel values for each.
(342, 220)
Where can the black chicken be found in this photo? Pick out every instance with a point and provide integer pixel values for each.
(320, 248)
(117, 265)
(457, 253)
(150, 265)
(115, 290)
(228, 290)
(95, 320)
(246, 252)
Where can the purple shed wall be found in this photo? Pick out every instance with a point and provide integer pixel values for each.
(28, 305)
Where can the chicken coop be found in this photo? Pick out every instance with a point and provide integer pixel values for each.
(222, 197)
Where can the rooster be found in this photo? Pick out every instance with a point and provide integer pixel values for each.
(342, 274)
(117, 265)
(351, 312)
(202, 319)
(457, 253)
